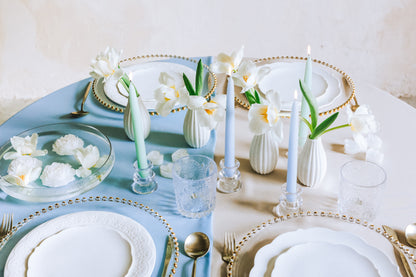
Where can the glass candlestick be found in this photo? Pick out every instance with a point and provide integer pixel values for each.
(144, 179)
(289, 202)
(229, 178)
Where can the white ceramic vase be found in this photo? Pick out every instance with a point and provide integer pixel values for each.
(128, 123)
(195, 135)
(312, 163)
(264, 152)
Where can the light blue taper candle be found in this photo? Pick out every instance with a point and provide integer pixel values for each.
(137, 127)
(304, 111)
(292, 161)
(229, 156)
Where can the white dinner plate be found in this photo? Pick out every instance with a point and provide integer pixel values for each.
(146, 79)
(95, 241)
(284, 78)
(264, 261)
(321, 259)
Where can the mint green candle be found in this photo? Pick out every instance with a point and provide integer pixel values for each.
(137, 128)
(304, 111)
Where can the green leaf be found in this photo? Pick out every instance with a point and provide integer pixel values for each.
(307, 123)
(311, 103)
(323, 126)
(199, 78)
(188, 85)
(251, 99)
(257, 96)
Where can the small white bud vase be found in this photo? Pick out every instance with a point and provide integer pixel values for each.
(264, 152)
(312, 163)
(128, 123)
(195, 135)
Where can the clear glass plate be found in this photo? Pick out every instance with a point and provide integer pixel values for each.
(157, 226)
(47, 136)
(263, 234)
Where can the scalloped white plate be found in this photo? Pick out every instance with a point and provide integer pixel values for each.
(109, 242)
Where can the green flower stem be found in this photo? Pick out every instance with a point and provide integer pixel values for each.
(337, 127)
(125, 81)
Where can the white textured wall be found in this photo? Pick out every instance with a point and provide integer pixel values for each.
(47, 44)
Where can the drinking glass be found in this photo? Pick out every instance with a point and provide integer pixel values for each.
(194, 180)
(361, 189)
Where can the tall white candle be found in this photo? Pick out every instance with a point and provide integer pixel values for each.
(292, 163)
(303, 129)
(137, 127)
(229, 156)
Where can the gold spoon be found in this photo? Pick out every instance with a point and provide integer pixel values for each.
(410, 234)
(196, 246)
(81, 112)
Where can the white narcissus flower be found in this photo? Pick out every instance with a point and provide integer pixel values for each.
(57, 175)
(228, 64)
(67, 145)
(88, 157)
(362, 120)
(155, 157)
(166, 170)
(209, 113)
(249, 75)
(24, 170)
(265, 117)
(24, 146)
(106, 64)
(170, 93)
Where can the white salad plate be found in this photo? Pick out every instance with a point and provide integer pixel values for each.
(89, 243)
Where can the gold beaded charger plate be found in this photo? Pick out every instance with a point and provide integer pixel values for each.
(331, 86)
(146, 71)
(261, 250)
(132, 236)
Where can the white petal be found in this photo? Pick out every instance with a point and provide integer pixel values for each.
(67, 144)
(166, 170)
(351, 147)
(220, 67)
(195, 102)
(39, 153)
(263, 71)
(57, 175)
(257, 121)
(26, 168)
(155, 157)
(82, 172)
(374, 155)
(164, 108)
(278, 131)
(180, 153)
(87, 156)
(11, 155)
(237, 57)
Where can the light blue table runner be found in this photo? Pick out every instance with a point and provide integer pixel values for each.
(166, 136)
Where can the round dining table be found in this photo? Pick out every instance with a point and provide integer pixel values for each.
(237, 212)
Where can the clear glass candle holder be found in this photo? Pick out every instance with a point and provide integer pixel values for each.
(289, 203)
(229, 178)
(144, 179)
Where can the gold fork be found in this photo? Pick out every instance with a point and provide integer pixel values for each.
(229, 246)
(6, 225)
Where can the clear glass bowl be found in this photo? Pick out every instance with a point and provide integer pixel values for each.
(47, 136)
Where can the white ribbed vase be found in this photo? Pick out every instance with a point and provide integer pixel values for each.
(128, 123)
(195, 135)
(264, 152)
(312, 162)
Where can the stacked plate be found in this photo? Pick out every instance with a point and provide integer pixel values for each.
(321, 252)
(91, 243)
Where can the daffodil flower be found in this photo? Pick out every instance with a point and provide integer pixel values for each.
(57, 175)
(88, 157)
(209, 113)
(155, 157)
(362, 120)
(170, 93)
(67, 145)
(23, 170)
(249, 75)
(266, 116)
(24, 146)
(105, 64)
(228, 64)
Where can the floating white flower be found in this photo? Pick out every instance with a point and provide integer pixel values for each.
(88, 157)
(265, 117)
(24, 170)
(24, 146)
(180, 153)
(106, 64)
(166, 170)
(170, 93)
(228, 64)
(155, 157)
(364, 128)
(57, 175)
(209, 113)
(67, 145)
(249, 75)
